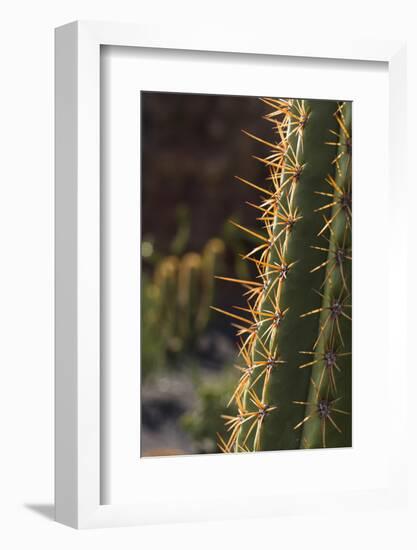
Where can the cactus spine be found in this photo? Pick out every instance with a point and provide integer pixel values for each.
(272, 328)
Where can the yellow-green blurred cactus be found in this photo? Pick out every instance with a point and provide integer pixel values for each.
(182, 291)
(189, 292)
(166, 288)
(212, 258)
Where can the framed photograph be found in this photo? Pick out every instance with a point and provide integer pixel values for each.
(229, 275)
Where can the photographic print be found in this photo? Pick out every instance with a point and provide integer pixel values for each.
(246, 276)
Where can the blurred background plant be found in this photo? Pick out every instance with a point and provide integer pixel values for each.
(176, 305)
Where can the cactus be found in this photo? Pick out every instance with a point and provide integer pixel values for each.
(166, 288)
(212, 257)
(331, 380)
(180, 295)
(189, 278)
(273, 398)
(182, 235)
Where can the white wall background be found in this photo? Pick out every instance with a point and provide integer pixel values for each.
(26, 270)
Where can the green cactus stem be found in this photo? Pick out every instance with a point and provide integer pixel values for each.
(271, 329)
(329, 399)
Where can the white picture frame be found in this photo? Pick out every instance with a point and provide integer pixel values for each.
(79, 408)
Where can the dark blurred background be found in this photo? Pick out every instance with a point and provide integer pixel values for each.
(192, 147)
